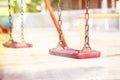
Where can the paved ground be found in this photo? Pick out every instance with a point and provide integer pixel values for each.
(36, 64)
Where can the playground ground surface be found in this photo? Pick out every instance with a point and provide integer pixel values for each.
(36, 64)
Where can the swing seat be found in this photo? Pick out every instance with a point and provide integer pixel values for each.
(74, 53)
(17, 45)
(23, 45)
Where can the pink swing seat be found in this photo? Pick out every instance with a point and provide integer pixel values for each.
(17, 45)
(74, 53)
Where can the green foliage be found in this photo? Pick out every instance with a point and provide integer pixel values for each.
(16, 7)
(32, 6)
(36, 1)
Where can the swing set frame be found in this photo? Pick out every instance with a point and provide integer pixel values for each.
(62, 48)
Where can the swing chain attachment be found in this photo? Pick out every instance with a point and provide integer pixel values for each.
(10, 21)
(60, 43)
(86, 47)
(22, 22)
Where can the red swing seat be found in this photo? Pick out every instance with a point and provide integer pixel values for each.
(13, 44)
(74, 53)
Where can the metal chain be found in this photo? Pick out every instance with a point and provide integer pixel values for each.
(86, 47)
(60, 43)
(22, 22)
(10, 20)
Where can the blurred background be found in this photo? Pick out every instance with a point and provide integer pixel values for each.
(36, 64)
(104, 14)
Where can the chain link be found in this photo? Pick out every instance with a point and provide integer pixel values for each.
(86, 47)
(60, 43)
(22, 22)
(10, 20)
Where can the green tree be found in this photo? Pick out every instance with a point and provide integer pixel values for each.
(16, 7)
(34, 6)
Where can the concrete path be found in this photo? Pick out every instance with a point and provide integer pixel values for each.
(36, 63)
